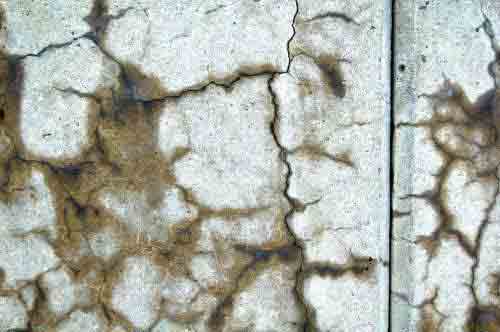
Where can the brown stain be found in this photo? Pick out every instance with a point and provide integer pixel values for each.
(332, 74)
(317, 152)
(254, 69)
(143, 86)
(247, 277)
(6, 154)
(125, 155)
(495, 286)
(14, 82)
(98, 19)
(452, 107)
(484, 319)
(428, 325)
(362, 268)
(431, 244)
(19, 174)
(43, 316)
(428, 322)
(469, 117)
(125, 150)
(306, 88)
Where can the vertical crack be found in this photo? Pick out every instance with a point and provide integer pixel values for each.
(392, 132)
(290, 58)
(480, 315)
(308, 324)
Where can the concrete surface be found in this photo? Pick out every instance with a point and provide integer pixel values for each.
(226, 165)
(445, 251)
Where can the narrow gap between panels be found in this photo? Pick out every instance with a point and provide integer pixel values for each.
(392, 70)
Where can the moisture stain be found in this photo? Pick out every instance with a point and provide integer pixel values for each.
(474, 125)
(332, 74)
(359, 267)
(484, 319)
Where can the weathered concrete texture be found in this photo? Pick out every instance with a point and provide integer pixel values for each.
(446, 154)
(337, 153)
(13, 314)
(186, 44)
(65, 97)
(194, 166)
(33, 26)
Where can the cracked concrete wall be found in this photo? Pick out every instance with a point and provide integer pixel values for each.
(445, 255)
(194, 166)
(225, 165)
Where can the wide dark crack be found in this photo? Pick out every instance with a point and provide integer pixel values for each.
(308, 325)
(333, 15)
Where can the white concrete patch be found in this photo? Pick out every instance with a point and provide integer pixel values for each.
(343, 304)
(32, 27)
(25, 259)
(186, 44)
(268, 304)
(91, 321)
(233, 161)
(48, 92)
(60, 291)
(13, 314)
(136, 295)
(31, 206)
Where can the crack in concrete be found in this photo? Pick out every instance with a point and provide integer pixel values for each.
(294, 20)
(333, 15)
(482, 112)
(315, 151)
(308, 327)
(99, 19)
(358, 267)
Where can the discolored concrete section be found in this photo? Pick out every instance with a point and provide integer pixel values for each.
(226, 165)
(446, 156)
